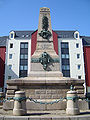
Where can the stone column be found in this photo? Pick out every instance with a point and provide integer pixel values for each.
(1, 97)
(19, 106)
(72, 103)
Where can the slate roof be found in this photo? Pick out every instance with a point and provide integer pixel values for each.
(3, 41)
(65, 34)
(23, 34)
(86, 40)
(27, 35)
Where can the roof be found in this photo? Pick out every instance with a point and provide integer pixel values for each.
(86, 40)
(23, 34)
(27, 34)
(3, 40)
(60, 33)
(65, 34)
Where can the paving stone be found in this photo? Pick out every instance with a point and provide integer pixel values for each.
(60, 118)
(15, 118)
(1, 117)
(35, 118)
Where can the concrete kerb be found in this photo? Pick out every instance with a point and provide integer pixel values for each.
(45, 118)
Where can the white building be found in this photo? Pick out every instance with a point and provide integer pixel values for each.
(18, 54)
(71, 54)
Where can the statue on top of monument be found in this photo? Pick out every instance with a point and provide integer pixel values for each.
(45, 33)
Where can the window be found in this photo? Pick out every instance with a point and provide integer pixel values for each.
(79, 77)
(77, 45)
(11, 45)
(64, 45)
(22, 35)
(76, 35)
(27, 35)
(23, 59)
(65, 67)
(79, 67)
(65, 56)
(9, 77)
(21, 67)
(10, 56)
(11, 35)
(78, 56)
(24, 45)
(23, 56)
(10, 67)
(26, 56)
(25, 67)
(66, 73)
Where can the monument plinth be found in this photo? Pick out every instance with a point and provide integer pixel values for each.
(45, 81)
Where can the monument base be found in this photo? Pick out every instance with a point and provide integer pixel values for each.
(9, 105)
(44, 86)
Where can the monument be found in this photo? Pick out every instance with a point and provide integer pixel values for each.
(45, 81)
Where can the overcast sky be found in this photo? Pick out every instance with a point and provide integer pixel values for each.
(65, 15)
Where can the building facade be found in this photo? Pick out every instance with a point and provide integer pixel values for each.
(17, 48)
(18, 55)
(2, 60)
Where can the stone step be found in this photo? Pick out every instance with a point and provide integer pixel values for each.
(7, 96)
(79, 87)
(12, 87)
(10, 92)
(80, 91)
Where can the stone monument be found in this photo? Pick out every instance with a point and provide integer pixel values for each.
(45, 81)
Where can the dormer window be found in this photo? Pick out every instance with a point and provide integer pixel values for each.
(76, 35)
(27, 35)
(12, 35)
(23, 35)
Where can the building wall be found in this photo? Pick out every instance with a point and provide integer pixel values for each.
(74, 62)
(33, 42)
(15, 61)
(87, 65)
(2, 65)
(55, 41)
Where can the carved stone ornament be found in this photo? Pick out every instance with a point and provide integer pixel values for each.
(45, 33)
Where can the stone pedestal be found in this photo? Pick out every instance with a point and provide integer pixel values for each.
(19, 106)
(72, 103)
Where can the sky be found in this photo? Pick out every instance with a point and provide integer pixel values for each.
(65, 15)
